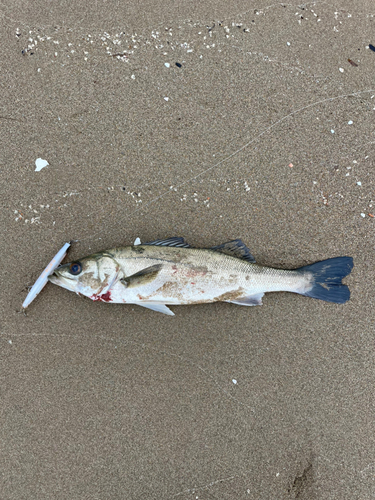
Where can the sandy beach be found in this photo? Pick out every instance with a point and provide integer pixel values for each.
(226, 120)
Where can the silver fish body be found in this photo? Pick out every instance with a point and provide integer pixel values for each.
(169, 272)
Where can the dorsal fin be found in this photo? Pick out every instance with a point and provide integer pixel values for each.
(235, 248)
(169, 242)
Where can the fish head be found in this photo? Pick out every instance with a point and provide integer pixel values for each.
(91, 276)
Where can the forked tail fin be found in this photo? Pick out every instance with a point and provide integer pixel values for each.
(326, 279)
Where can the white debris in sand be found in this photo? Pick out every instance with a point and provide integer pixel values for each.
(40, 163)
(137, 241)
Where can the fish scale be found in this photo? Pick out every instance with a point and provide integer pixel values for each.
(215, 274)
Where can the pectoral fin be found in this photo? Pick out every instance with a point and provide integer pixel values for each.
(141, 278)
(251, 300)
(161, 308)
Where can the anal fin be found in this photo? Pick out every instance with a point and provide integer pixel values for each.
(250, 300)
(162, 308)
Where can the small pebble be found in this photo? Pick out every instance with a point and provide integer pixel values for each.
(167, 65)
(350, 122)
(179, 65)
(133, 77)
(288, 43)
(359, 183)
(363, 215)
(234, 381)
(166, 98)
(332, 131)
(341, 70)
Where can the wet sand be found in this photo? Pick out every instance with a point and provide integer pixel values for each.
(213, 123)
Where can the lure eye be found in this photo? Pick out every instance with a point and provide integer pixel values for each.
(75, 268)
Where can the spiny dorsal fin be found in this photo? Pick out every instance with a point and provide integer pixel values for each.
(142, 277)
(235, 248)
(169, 242)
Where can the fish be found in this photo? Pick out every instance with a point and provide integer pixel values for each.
(169, 272)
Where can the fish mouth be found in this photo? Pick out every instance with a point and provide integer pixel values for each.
(53, 278)
(59, 280)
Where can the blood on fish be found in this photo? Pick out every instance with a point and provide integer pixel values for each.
(106, 297)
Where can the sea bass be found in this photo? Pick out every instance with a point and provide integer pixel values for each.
(171, 272)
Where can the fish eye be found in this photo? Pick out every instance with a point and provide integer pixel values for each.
(75, 268)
